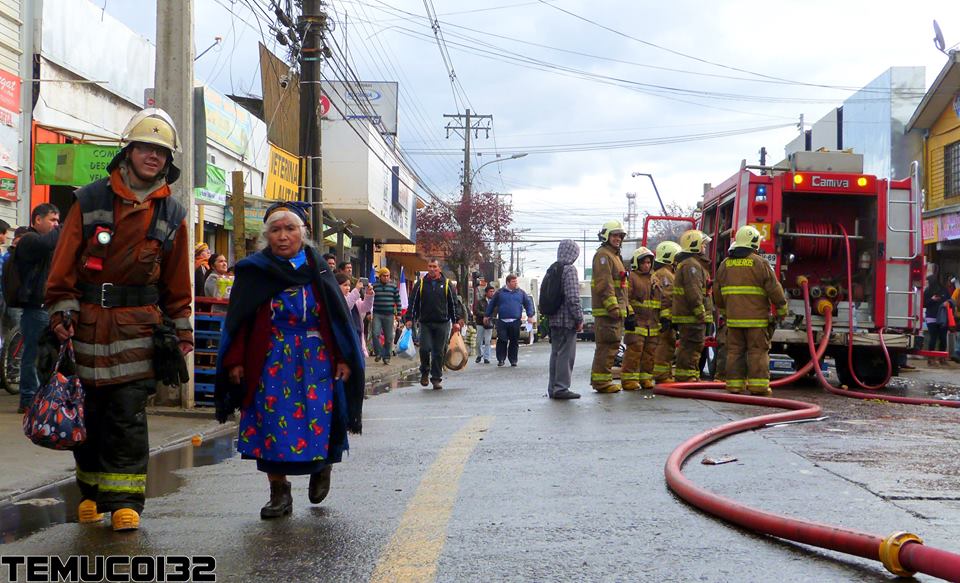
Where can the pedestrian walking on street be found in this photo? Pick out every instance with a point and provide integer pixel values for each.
(291, 360)
(483, 325)
(641, 341)
(692, 307)
(745, 288)
(565, 324)
(32, 258)
(386, 312)
(608, 287)
(509, 304)
(434, 307)
(119, 278)
(663, 292)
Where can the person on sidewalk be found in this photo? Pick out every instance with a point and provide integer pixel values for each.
(122, 268)
(386, 311)
(358, 307)
(933, 296)
(692, 307)
(34, 253)
(434, 307)
(745, 289)
(565, 324)
(641, 341)
(663, 292)
(608, 288)
(508, 304)
(201, 264)
(291, 361)
(483, 326)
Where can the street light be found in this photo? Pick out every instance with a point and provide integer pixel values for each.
(513, 157)
(650, 176)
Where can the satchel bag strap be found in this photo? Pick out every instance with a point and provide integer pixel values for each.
(66, 349)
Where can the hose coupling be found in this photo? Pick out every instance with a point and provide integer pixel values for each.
(831, 292)
(816, 292)
(890, 552)
(824, 307)
(802, 279)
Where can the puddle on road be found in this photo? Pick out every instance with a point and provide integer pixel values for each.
(397, 383)
(57, 504)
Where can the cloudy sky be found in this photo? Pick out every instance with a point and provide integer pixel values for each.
(592, 90)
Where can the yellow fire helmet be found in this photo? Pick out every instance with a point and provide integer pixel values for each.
(747, 237)
(638, 256)
(611, 228)
(694, 241)
(152, 126)
(667, 252)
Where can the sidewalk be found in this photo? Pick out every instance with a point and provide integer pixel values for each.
(26, 466)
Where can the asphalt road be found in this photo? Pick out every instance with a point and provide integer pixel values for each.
(488, 480)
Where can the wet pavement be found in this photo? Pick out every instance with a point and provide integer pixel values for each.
(550, 491)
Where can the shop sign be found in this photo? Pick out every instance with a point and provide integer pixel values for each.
(8, 186)
(931, 230)
(283, 175)
(215, 192)
(228, 124)
(252, 221)
(9, 92)
(950, 227)
(71, 164)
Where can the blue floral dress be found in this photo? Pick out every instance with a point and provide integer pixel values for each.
(287, 426)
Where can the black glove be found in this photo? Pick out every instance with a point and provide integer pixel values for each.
(168, 363)
(630, 323)
(664, 324)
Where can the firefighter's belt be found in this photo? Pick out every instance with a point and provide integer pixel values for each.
(108, 295)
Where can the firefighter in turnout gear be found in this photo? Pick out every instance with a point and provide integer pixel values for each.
(746, 287)
(608, 286)
(663, 293)
(122, 267)
(692, 307)
(642, 340)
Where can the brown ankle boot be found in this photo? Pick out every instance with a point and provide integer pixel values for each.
(281, 502)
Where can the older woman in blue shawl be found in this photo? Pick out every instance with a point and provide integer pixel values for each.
(290, 361)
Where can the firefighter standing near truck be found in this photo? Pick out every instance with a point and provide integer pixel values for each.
(692, 306)
(663, 292)
(608, 287)
(746, 286)
(119, 285)
(642, 340)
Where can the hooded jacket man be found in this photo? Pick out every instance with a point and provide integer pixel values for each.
(565, 324)
(746, 286)
(121, 268)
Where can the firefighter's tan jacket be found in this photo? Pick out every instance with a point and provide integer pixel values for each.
(691, 301)
(663, 291)
(115, 345)
(745, 287)
(608, 284)
(645, 306)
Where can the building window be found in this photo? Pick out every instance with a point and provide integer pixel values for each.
(951, 170)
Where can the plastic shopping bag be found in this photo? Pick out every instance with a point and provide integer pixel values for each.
(405, 346)
(55, 418)
(457, 355)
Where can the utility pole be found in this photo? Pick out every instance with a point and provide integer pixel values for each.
(468, 123)
(173, 83)
(311, 25)
(239, 216)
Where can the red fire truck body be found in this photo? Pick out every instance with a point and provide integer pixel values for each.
(802, 211)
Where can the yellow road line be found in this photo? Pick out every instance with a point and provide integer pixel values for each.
(413, 552)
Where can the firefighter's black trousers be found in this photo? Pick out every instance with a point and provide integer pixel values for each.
(112, 462)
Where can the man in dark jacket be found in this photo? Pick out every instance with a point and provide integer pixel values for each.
(484, 327)
(933, 296)
(33, 256)
(434, 306)
(565, 324)
(509, 303)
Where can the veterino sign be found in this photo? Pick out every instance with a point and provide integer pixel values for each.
(283, 176)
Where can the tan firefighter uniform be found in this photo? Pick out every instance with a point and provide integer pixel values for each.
(746, 286)
(667, 341)
(608, 286)
(692, 309)
(642, 340)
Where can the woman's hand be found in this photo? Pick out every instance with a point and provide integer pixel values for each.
(236, 374)
(343, 372)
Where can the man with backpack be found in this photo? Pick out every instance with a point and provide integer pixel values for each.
(434, 306)
(25, 283)
(509, 303)
(560, 303)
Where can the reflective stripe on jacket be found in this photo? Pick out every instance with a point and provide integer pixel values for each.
(644, 305)
(608, 284)
(746, 286)
(691, 302)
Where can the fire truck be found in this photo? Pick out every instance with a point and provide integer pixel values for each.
(854, 239)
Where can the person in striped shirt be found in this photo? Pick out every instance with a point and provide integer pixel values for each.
(386, 311)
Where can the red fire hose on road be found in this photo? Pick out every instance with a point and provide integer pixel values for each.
(901, 553)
